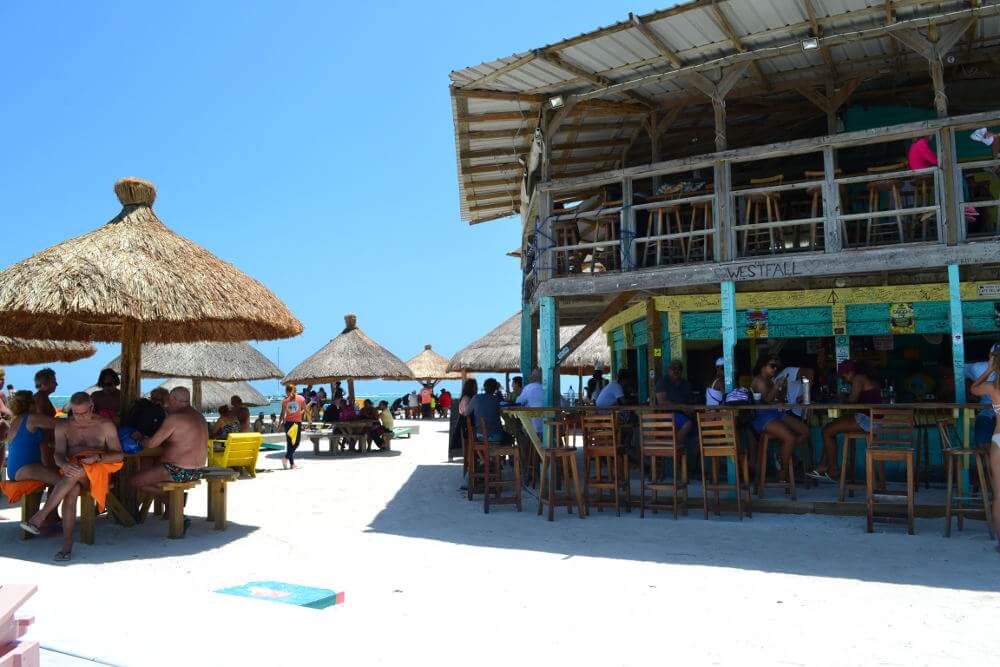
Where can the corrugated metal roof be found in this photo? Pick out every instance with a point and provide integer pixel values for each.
(698, 35)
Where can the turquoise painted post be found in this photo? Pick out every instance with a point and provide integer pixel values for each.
(527, 341)
(729, 331)
(548, 347)
(957, 333)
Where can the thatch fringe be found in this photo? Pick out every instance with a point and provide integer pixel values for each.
(431, 366)
(204, 361)
(24, 351)
(214, 394)
(351, 355)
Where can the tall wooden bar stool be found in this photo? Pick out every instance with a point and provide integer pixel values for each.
(665, 220)
(720, 440)
(604, 257)
(923, 195)
(565, 234)
(560, 458)
(954, 458)
(849, 456)
(490, 456)
(763, 441)
(701, 220)
(890, 440)
(880, 230)
(760, 241)
(605, 465)
(658, 443)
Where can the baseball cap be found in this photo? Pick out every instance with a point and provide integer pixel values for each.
(980, 136)
(995, 349)
(721, 361)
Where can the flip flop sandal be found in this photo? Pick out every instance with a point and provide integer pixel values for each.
(63, 556)
(29, 527)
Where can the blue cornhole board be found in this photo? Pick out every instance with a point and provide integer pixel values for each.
(276, 591)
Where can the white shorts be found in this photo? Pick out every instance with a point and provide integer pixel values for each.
(996, 439)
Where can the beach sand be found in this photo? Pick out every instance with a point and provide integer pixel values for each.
(430, 579)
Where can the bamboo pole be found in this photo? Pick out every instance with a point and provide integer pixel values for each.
(131, 365)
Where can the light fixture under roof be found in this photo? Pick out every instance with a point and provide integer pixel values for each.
(810, 43)
(557, 102)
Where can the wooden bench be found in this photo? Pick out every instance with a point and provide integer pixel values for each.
(175, 506)
(217, 494)
(14, 653)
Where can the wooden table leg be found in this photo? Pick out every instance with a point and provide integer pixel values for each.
(88, 518)
(118, 510)
(175, 510)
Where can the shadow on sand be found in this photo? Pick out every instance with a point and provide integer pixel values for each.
(430, 506)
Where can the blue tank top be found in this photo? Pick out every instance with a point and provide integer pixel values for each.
(24, 449)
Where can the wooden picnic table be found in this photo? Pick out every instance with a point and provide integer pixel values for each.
(352, 432)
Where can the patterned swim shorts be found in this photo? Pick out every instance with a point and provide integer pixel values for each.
(179, 474)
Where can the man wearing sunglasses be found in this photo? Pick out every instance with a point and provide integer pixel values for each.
(85, 438)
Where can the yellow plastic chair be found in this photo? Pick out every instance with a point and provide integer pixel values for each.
(239, 450)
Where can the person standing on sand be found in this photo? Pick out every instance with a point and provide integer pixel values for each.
(292, 407)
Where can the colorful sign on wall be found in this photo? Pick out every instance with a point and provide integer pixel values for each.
(901, 320)
(757, 323)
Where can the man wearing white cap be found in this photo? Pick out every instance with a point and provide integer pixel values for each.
(715, 394)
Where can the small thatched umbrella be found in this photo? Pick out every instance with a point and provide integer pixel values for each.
(350, 356)
(214, 394)
(135, 281)
(204, 361)
(499, 351)
(429, 366)
(24, 351)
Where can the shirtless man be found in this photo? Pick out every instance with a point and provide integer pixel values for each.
(85, 431)
(184, 437)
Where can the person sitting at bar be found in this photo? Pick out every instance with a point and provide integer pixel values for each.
(596, 383)
(986, 419)
(984, 386)
(864, 389)
(671, 390)
(715, 394)
(516, 387)
(107, 399)
(485, 409)
(87, 451)
(791, 431)
(533, 396)
(613, 393)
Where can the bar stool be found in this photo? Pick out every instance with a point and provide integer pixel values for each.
(890, 440)
(881, 231)
(566, 234)
(561, 458)
(789, 466)
(954, 457)
(667, 221)
(701, 220)
(605, 257)
(848, 454)
(491, 457)
(719, 440)
(605, 465)
(658, 443)
(923, 195)
(770, 204)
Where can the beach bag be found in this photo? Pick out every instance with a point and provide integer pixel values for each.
(741, 396)
(144, 417)
(129, 444)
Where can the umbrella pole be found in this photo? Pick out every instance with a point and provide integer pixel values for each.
(196, 394)
(579, 384)
(506, 382)
(131, 374)
(350, 390)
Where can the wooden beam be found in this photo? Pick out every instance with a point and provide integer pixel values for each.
(817, 31)
(528, 99)
(601, 81)
(723, 22)
(522, 149)
(512, 133)
(496, 117)
(496, 167)
(616, 306)
(500, 71)
(656, 41)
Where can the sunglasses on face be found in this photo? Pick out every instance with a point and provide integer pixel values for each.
(772, 365)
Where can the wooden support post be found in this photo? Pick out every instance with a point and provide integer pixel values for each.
(196, 394)
(831, 114)
(832, 240)
(545, 258)
(957, 332)
(548, 346)
(728, 288)
(654, 351)
(676, 335)
(627, 249)
(527, 341)
(131, 365)
(724, 240)
(952, 225)
(350, 390)
(842, 342)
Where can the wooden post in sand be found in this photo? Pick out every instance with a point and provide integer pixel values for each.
(196, 394)
(350, 390)
(131, 376)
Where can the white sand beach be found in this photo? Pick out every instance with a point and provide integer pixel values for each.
(430, 579)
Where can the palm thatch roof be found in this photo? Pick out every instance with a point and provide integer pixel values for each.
(499, 351)
(350, 356)
(214, 394)
(134, 270)
(430, 366)
(204, 361)
(24, 351)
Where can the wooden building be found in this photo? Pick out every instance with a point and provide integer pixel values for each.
(726, 173)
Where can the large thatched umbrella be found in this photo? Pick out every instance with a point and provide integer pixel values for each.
(350, 356)
(25, 351)
(429, 366)
(214, 394)
(499, 351)
(204, 361)
(135, 281)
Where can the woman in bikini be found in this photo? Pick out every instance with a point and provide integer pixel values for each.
(864, 389)
(791, 431)
(983, 386)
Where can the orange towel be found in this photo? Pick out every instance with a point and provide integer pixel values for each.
(99, 475)
(17, 490)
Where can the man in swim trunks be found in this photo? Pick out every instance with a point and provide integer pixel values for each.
(184, 437)
(87, 433)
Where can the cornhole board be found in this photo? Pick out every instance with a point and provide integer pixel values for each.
(276, 591)
(12, 652)
(271, 447)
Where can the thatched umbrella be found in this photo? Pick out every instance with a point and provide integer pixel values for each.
(350, 356)
(24, 351)
(429, 366)
(204, 361)
(135, 281)
(499, 351)
(214, 394)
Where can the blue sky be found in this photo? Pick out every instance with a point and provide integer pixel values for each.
(309, 143)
